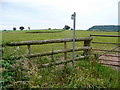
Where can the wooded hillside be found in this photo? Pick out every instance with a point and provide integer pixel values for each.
(113, 28)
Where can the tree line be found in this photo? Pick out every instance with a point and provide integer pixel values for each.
(66, 27)
(21, 28)
(113, 28)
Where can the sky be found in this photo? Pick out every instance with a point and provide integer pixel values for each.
(55, 14)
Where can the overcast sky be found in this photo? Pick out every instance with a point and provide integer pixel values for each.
(40, 14)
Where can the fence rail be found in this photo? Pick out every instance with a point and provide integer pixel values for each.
(106, 50)
(105, 35)
(53, 52)
(106, 43)
(117, 44)
(36, 42)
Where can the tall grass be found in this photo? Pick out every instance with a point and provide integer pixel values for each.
(86, 74)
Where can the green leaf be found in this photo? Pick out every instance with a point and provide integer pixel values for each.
(6, 74)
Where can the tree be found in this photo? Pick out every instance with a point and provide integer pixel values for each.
(14, 28)
(29, 28)
(4, 30)
(66, 27)
(21, 28)
(49, 28)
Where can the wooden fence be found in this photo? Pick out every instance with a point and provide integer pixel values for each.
(106, 58)
(86, 48)
(112, 50)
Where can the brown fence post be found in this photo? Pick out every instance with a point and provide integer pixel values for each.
(65, 54)
(87, 43)
(52, 55)
(28, 50)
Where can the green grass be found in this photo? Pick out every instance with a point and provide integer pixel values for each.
(10, 36)
(16, 36)
(87, 73)
(23, 36)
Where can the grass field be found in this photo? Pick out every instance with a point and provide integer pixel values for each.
(16, 36)
(13, 36)
(87, 73)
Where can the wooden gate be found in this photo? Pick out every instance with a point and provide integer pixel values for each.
(86, 48)
(106, 58)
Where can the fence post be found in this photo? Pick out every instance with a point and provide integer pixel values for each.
(52, 57)
(87, 43)
(65, 54)
(28, 50)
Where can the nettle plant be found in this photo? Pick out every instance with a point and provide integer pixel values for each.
(10, 68)
(6, 74)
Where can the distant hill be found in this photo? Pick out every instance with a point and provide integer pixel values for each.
(112, 28)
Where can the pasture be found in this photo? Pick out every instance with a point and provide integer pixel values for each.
(16, 36)
(86, 74)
